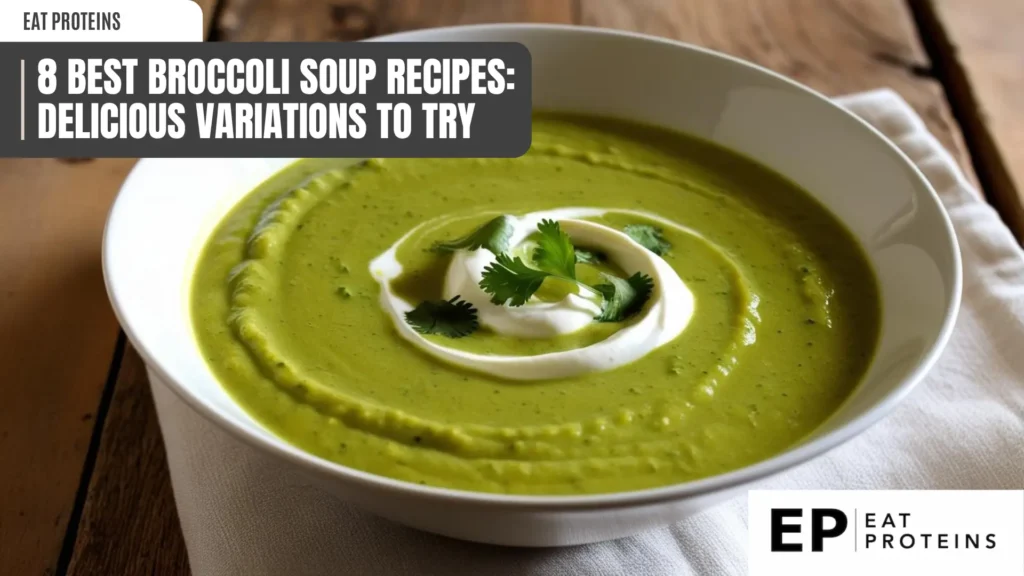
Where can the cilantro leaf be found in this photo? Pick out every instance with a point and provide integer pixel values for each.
(453, 318)
(555, 252)
(510, 280)
(623, 298)
(649, 237)
(584, 256)
(494, 236)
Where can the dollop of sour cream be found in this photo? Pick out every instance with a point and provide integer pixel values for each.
(665, 317)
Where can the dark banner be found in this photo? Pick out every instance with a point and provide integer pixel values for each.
(360, 99)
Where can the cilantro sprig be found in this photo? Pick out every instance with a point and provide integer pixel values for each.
(494, 236)
(623, 298)
(453, 318)
(584, 256)
(555, 253)
(510, 281)
(649, 237)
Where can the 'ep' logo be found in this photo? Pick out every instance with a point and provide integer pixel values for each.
(780, 527)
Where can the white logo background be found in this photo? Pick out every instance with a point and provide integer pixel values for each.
(953, 513)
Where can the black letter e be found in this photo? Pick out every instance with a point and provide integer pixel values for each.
(779, 528)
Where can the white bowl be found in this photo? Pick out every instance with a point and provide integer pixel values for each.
(167, 208)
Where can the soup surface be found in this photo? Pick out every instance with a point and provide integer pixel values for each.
(740, 313)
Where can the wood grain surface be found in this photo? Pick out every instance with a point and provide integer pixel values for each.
(835, 46)
(982, 46)
(322, 20)
(128, 523)
(57, 336)
(209, 8)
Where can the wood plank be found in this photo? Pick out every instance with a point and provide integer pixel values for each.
(209, 12)
(981, 50)
(129, 524)
(57, 337)
(837, 46)
(320, 20)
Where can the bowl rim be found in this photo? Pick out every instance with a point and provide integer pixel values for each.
(281, 449)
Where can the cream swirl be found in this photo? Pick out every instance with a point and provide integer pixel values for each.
(665, 317)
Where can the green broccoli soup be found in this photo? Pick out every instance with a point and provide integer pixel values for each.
(621, 308)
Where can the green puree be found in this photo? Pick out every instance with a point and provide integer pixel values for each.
(288, 316)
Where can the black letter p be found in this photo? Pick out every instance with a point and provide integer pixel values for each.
(818, 532)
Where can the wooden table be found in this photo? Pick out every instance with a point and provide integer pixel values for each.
(85, 488)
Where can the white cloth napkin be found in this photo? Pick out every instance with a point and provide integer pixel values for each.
(963, 428)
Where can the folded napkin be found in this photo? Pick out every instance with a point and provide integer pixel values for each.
(963, 428)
